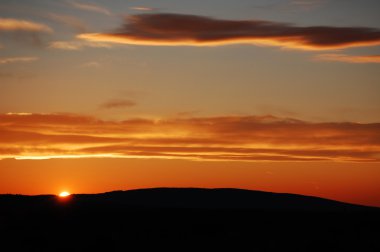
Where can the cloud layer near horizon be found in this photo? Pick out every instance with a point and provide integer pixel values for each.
(232, 138)
(193, 30)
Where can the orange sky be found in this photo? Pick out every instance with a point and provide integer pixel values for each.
(349, 182)
(266, 95)
(49, 153)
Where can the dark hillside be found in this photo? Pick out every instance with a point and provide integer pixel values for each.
(163, 217)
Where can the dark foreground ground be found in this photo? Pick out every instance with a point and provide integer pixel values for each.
(183, 219)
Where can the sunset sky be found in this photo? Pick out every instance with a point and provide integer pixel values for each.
(273, 95)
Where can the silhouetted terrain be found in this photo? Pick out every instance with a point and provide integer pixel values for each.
(164, 217)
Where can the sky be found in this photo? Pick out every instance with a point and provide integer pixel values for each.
(276, 95)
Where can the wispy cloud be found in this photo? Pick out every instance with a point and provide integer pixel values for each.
(11, 24)
(118, 103)
(358, 59)
(77, 45)
(307, 4)
(142, 8)
(17, 60)
(91, 64)
(290, 5)
(70, 21)
(17, 75)
(90, 7)
(232, 138)
(191, 30)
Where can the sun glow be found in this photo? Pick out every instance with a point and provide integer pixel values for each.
(64, 194)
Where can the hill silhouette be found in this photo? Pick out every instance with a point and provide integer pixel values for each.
(119, 220)
(185, 198)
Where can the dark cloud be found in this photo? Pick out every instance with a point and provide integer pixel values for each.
(179, 29)
(117, 103)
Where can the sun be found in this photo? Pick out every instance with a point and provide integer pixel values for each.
(64, 194)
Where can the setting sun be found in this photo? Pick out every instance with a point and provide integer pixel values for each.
(64, 194)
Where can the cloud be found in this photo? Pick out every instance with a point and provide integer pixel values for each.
(308, 4)
(70, 21)
(24, 31)
(290, 5)
(191, 30)
(230, 138)
(7, 75)
(17, 75)
(17, 60)
(118, 103)
(349, 58)
(10, 24)
(77, 45)
(142, 8)
(91, 64)
(91, 7)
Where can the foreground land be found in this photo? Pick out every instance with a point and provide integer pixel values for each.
(183, 219)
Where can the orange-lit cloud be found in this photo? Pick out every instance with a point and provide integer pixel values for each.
(77, 45)
(349, 58)
(90, 7)
(142, 8)
(17, 60)
(192, 30)
(10, 24)
(118, 103)
(240, 138)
